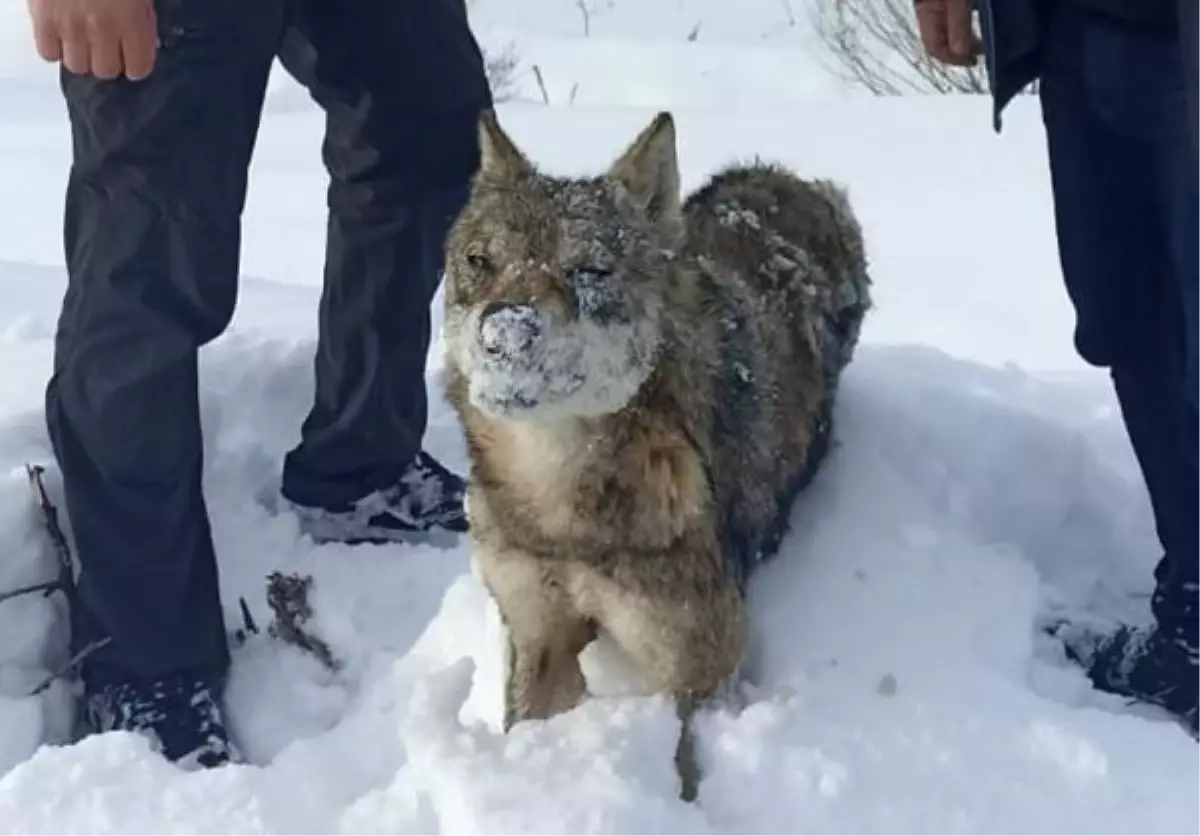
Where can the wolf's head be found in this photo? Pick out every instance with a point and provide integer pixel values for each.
(554, 286)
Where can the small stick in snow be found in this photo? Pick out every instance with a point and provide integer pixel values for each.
(70, 665)
(62, 551)
(587, 17)
(48, 586)
(287, 596)
(65, 582)
(242, 634)
(537, 72)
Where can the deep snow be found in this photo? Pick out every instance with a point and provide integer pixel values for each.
(981, 481)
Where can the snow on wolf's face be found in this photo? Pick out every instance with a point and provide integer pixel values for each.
(559, 342)
(554, 286)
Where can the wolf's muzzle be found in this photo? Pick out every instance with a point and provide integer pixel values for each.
(507, 329)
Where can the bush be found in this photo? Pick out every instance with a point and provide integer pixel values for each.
(501, 70)
(876, 44)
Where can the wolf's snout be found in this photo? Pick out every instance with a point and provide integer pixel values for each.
(506, 328)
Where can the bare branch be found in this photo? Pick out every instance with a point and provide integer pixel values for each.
(587, 17)
(501, 68)
(537, 72)
(49, 586)
(791, 15)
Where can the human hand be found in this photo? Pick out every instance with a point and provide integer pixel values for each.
(106, 38)
(946, 31)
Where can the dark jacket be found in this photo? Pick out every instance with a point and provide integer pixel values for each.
(1011, 32)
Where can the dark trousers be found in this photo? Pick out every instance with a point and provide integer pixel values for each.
(1122, 151)
(152, 239)
(1189, 41)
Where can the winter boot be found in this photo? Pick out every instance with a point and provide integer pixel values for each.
(425, 506)
(1143, 664)
(179, 713)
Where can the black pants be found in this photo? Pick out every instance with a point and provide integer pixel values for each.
(1189, 44)
(1115, 100)
(152, 238)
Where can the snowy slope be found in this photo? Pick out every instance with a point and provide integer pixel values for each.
(982, 480)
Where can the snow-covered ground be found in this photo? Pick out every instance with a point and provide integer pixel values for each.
(982, 481)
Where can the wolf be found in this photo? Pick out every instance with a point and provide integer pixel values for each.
(645, 383)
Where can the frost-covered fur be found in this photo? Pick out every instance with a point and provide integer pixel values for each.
(527, 365)
(645, 385)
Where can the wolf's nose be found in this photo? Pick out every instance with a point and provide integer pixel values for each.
(508, 328)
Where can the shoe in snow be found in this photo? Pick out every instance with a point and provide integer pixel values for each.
(178, 713)
(426, 506)
(1142, 664)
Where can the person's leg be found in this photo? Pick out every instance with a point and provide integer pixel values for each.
(402, 86)
(1189, 37)
(1123, 171)
(1185, 242)
(151, 235)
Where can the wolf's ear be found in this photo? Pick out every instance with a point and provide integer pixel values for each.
(499, 157)
(649, 170)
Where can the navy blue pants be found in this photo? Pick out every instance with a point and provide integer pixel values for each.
(1123, 167)
(152, 238)
(1189, 25)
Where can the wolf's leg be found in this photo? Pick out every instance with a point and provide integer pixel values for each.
(546, 634)
(682, 645)
(544, 676)
(688, 647)
(685, 751)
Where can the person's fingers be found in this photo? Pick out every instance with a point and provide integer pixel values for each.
(976, 45)
(45, 39)
(105, 48)
(960, 36)
(77, 53)
(931, 24)
(138, 47)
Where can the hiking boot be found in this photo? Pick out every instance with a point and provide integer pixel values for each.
(179, 713)
(1143, 664)
(425, 506)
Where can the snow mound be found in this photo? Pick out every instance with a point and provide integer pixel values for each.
(896, 681)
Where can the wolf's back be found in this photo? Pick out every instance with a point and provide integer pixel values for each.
(784, 262)
(796, 244)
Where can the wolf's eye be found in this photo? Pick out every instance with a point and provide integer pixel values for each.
(479, 261)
